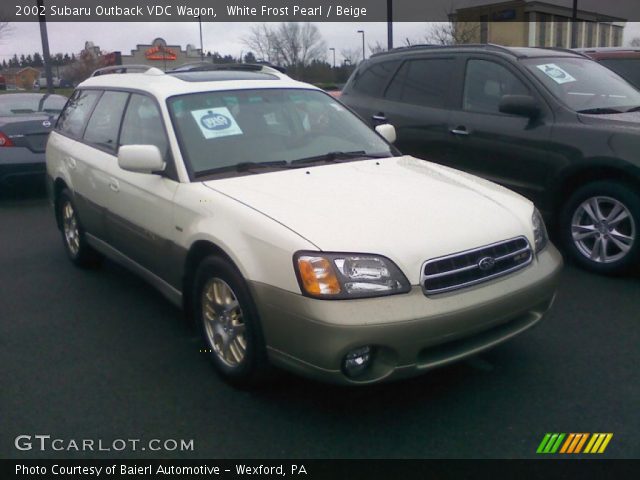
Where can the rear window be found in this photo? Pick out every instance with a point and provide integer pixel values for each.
(375, 78)
(423, 82)
(73, 119)
(25, 104)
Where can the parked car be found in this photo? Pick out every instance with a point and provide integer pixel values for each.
(41, 82)
(291, 232)
(25, 122)
(625, 61)
(553, 125)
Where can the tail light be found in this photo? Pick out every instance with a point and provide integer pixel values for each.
(5, 141)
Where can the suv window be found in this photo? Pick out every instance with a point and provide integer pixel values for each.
(73, 119)
(104, 124)
(142, 124)
(373, 80)
(486, 83)
(422, 82)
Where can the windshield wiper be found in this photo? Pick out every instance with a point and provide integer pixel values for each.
(243, 167)
(336, 156)
(634, 109)
(600, 111)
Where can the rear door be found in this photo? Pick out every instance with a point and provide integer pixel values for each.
(418, 103)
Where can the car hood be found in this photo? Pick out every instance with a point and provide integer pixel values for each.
(616, 120)
(407, 209)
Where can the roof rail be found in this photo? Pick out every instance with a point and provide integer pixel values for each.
(428, 46)
(122, 69)
(566, 50)
(246, 67)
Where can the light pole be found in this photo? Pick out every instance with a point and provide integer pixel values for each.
(362, 32)
(389, 24)
(201, 47)
(574, 26)
(45, 47)
(334, 57)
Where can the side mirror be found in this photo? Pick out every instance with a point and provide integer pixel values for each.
(140, 158)
(522, 105)
(387, 131)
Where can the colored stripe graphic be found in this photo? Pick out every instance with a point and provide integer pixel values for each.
(574, 443)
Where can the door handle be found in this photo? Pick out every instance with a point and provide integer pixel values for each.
(380, 117)
(114, 185)
(460, 131)
(71, 162)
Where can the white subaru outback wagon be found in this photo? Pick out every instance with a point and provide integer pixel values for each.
(292, 233)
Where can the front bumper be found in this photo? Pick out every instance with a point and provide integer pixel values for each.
(410, 333)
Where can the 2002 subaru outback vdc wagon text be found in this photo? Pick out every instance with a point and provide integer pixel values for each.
(292, 233)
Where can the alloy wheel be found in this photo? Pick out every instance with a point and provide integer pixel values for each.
(70, 228)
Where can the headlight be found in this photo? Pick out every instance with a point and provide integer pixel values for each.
(347, 275)
(539, 231)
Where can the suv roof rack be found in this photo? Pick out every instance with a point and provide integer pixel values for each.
(125, 69)
(428, 46)
(565, 50)
(245, 67)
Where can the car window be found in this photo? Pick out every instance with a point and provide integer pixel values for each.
(142, 124)
(221, 129)
(74, 117)
(627, 68)
(422, 82)
(29, 103)
(583, 85)
(486, 83)
(374, 79)
(104, 124)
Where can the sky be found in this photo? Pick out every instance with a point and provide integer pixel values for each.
(225, 38)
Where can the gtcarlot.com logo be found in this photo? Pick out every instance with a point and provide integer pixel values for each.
(574, 443)
(48, 443)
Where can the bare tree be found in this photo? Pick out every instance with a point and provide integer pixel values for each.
(84, 66)
(290, 44)
(5, 27)
(635, 42)
(376, 48)
(453, 32)
(351, 55)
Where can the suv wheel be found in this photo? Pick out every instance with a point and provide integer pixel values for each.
(600, 226)
(75, 244)
(229, 323)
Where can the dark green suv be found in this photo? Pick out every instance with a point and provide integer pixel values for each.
(553, 125)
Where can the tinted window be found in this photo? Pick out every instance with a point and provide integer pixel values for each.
(142, 124)
(104, 123)
(627, 68)
(73, 119)
(486, 83)
(373, 80)
(422, 82)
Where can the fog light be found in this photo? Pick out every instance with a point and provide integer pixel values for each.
(357, 361)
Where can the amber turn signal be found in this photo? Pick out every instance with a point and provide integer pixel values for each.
(318, 276)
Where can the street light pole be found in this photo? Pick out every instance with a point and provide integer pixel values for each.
(363, 54)
(201, 47)
(334, 56)
(574, 25)
(45, 47)
(389, 24)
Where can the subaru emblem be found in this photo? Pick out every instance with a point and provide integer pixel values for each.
(486, 263)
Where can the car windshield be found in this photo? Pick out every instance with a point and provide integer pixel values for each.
(29, 103)
(627, 68)
(584, 85)
(226, 129)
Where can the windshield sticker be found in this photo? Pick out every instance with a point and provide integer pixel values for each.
(556, 74)
(216, 122)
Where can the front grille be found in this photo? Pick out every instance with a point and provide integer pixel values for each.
(475, 266)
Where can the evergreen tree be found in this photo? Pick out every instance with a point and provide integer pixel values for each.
(37, 60)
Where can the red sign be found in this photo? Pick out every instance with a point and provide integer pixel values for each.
(160, 53)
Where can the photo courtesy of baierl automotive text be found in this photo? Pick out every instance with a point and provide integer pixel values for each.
(224, 221)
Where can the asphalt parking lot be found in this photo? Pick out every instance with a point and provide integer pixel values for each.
(102, 355)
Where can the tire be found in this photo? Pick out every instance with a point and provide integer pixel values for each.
(73, 236)
(600, 227)
(229, 324)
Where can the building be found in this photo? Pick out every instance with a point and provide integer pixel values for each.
(159, 54)
(20, 77)
(527, 23)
